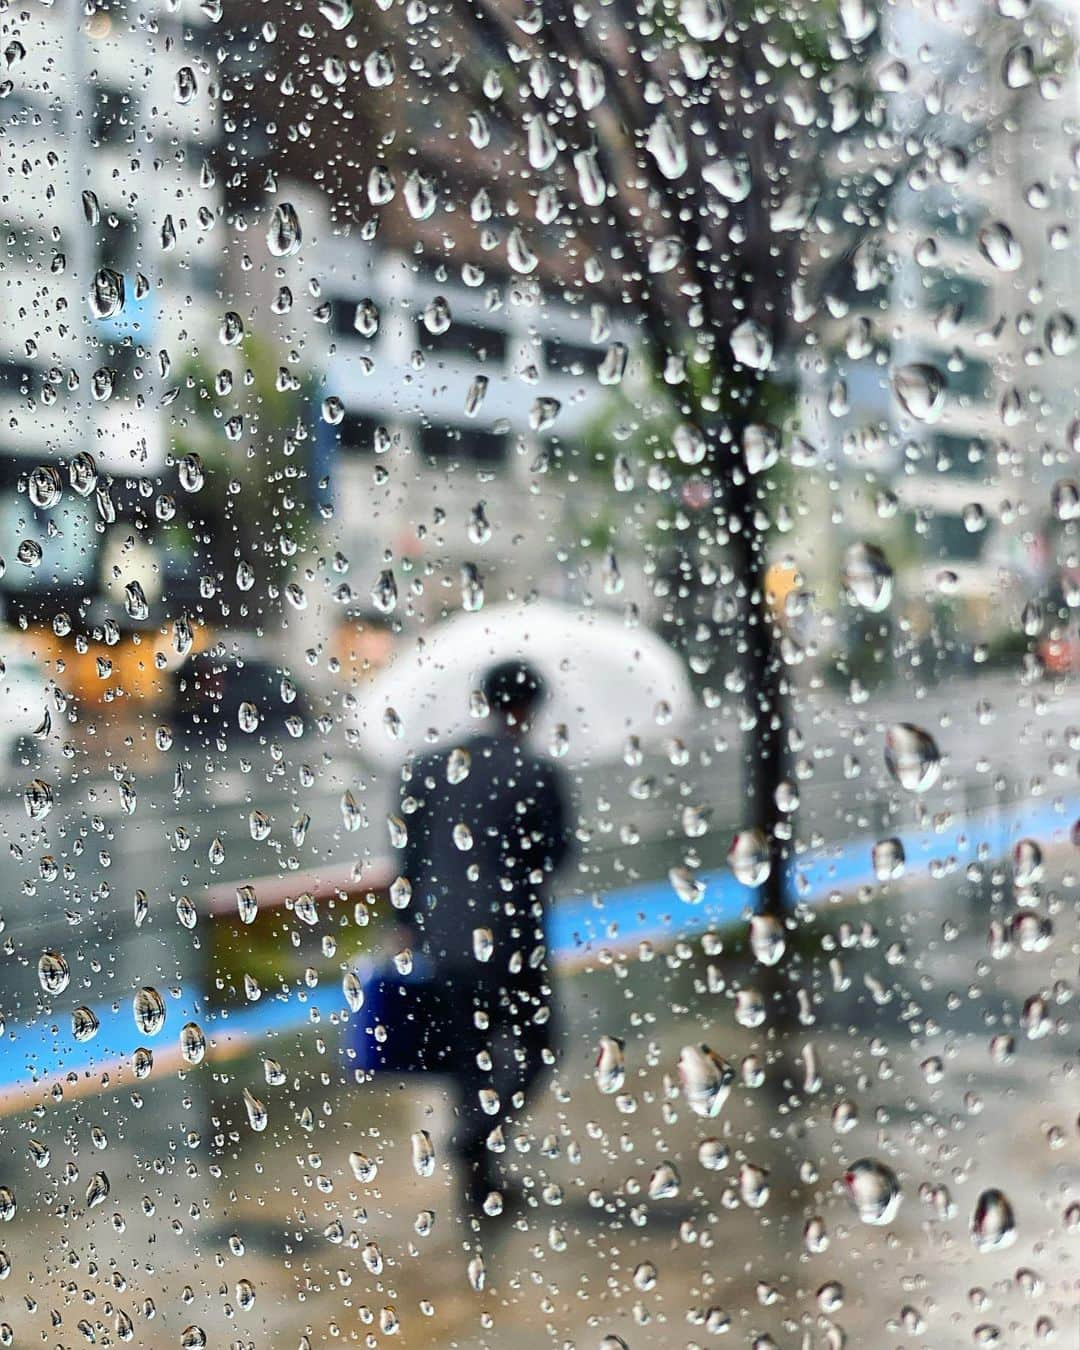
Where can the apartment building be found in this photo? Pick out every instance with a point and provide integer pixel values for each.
(446, 396)
(110, 220)
(965, 269)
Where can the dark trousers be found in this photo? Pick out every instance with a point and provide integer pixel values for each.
(517, 1033)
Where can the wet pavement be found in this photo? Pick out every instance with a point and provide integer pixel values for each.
(878, 1041)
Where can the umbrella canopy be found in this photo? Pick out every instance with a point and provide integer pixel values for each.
(605, 681)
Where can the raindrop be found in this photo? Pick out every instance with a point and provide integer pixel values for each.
(192, 1043)
(753, 1185)
(868, 576)
(256, 1111)
(45, 486)
(1065, 499)
(888, 858)
(421, 195)
(713, 1155)
(231, 329)
(751, 345)
(53, 972)
(993, 1224)
(873, 1190)
(107, 293)
(706, 1079)
(518, 254)
(135, 601)
(920, 390)
(337, 13)
(912, 757)
(767, 938)
(748, 857)
(664, 1182)
(185, 86)
(148, 1008)
(84, 1024)
(38, 799)
(353, 990)
(97, 1191)
(999, 247)
(686, 885)
(1027, 862)
(423, 1153)
(458, 764)
(610, 1070)
(190, 473)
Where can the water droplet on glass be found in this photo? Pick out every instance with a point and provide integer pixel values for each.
(920, 390)
(999, 247)
(423, 1153)
(664, 1182)
(912, 757)
(107, 293)
(192, 1043)
(868, 576)
(256, 1111)
(54, 974)
(768, 939)
(993, 1224)
(84, 1024)
(873, 1190)
(45, 487)
(610, 1070)
(888, 858)
(148, 1008)
(748, 857)
(706, 1079)
(185, 85)
(751, 345)
(97, 1191)
(38, 799)
(753, 1185)
(686, 885)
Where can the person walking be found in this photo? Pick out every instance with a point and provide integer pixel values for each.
(488, 826)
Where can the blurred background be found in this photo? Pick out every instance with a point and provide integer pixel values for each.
(732, 350)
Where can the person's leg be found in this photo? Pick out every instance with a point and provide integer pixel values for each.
(519, 1043)
(472, 1124)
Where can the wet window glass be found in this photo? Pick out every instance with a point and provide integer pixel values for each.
(539, 582)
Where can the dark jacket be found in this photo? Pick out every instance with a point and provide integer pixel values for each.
(480, 856)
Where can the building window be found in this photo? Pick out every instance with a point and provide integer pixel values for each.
(117, 244)
(471, 341)
(570, 358)
(17, 379)
(967, 292)
(961, 456)
(360, 434)
(444, 443)
(112, 114)
(951, 540)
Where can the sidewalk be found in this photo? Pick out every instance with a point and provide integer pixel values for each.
(326, 1255)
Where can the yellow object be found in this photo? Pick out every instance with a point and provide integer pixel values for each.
(781, 578)
(103, 673)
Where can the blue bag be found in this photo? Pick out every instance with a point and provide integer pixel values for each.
(403, 1025)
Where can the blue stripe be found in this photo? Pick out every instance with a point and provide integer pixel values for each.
(34, 1053)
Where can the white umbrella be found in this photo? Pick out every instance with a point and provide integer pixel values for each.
(605, 681)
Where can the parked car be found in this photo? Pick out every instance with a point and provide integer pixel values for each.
(235, 696)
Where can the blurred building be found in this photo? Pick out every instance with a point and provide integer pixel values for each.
(111, 267)
(446, 394)
(962, 273)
